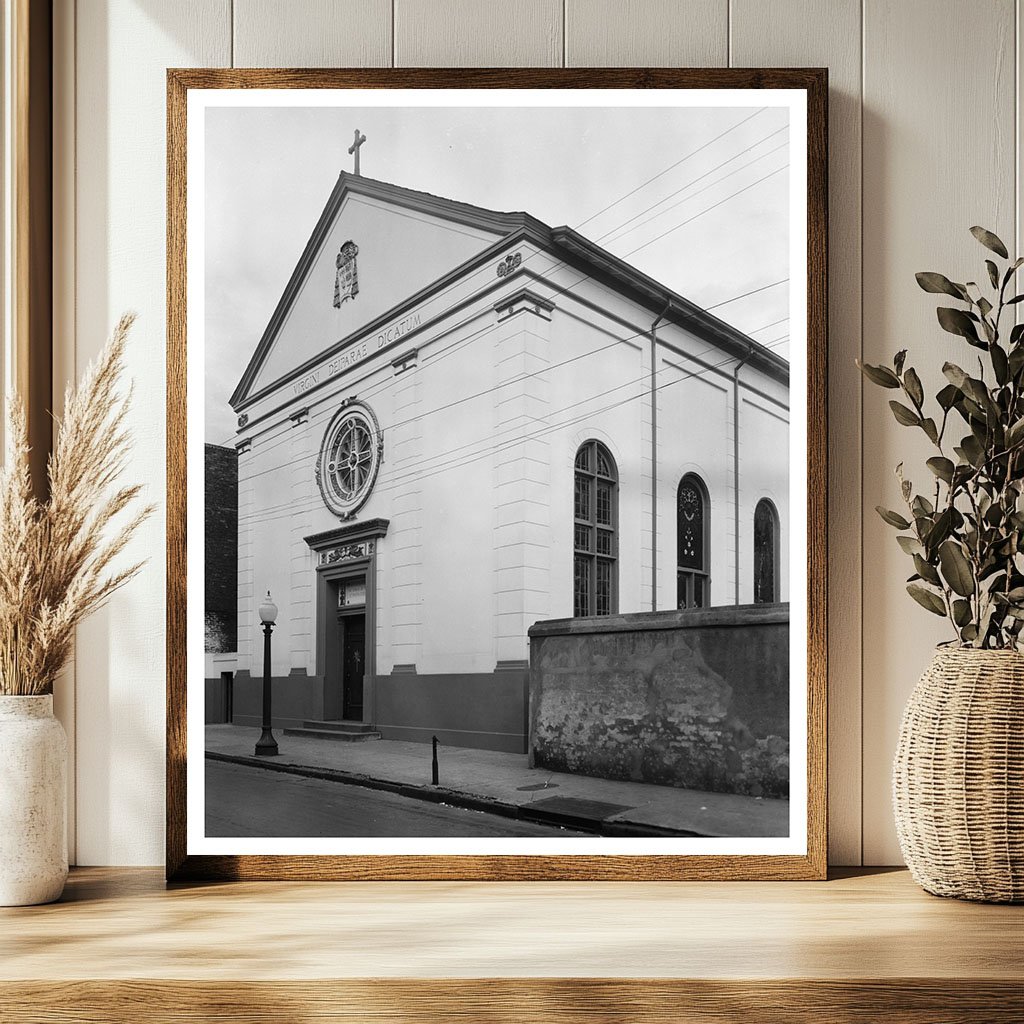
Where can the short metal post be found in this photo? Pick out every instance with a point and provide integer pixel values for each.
(433, 765)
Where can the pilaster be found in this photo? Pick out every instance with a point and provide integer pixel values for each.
(522, 514)
(404, 449)
(302, 448)
(642, 600)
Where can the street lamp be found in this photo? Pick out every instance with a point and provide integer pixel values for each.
(267, 745)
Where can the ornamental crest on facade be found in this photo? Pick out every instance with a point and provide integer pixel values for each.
(509, 264)
(347, 553)
(346, 278)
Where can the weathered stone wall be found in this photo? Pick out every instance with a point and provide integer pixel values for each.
(696, 699)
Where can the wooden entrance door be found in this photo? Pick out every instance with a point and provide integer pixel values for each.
(353, 666)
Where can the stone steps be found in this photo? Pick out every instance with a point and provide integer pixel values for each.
(346, 732)
(339, 725)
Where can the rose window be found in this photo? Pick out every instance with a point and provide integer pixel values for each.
(349, 460)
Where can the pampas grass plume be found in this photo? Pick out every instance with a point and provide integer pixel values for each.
(56, 557)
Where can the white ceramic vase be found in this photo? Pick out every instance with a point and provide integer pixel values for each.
(33, 800)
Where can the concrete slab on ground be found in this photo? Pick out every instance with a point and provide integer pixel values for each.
(505, 783)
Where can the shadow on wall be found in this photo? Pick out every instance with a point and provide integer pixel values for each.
(119, 230)
(692, 699)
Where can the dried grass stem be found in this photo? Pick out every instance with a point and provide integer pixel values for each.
(57, 557)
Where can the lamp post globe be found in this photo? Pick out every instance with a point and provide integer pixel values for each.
(268, 611)
(266, 746)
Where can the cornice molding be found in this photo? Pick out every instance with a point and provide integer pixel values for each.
(525, 300)
(370, 529)
(680, 311)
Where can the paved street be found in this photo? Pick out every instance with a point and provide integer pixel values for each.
(500, 778)
(243, 801)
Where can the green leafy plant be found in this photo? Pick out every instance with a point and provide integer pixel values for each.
(965, 530)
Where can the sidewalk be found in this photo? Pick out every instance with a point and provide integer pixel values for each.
(503, 784)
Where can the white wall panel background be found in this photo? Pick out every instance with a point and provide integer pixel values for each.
(792, 33)
(939, 156)
(121, 53)
(312, 33)
(925, 102)
(646, 33)
(478, 33)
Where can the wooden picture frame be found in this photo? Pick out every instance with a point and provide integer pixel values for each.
(810, 864)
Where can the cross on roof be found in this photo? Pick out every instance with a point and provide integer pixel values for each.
(354, 148)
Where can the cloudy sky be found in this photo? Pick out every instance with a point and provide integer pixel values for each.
(712, 224)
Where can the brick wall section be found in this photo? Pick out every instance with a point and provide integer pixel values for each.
(696, 699)
(221, 549)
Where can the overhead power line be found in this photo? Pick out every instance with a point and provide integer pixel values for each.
(464, 280)
(462, 342)
(420, 473)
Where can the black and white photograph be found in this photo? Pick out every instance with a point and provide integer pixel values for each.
(497, 472)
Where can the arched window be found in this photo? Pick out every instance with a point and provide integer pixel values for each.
(766, 553)
(693, 580)
(595, 529)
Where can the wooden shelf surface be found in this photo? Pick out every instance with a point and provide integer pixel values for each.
(122, 946)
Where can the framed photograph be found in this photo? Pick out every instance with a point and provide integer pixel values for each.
(497, 432)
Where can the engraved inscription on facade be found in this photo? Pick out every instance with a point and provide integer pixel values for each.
(357, 353)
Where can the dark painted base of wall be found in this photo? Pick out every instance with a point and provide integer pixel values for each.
(294, 699)
(506, 743)
(218, 701)
(484, 711)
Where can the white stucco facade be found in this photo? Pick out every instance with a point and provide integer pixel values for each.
(487, 348)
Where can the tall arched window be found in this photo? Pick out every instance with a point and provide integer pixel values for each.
(595, 540)
(766, 553)
(693, 579)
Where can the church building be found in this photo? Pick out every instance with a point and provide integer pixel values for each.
(460, 422)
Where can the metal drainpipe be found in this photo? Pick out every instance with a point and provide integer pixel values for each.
(654, 455)
(736, 463)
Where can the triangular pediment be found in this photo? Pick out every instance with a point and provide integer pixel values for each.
(374, 245)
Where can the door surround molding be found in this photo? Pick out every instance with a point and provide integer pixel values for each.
(356, 548)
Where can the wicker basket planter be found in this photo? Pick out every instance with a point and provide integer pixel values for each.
(958, 776)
